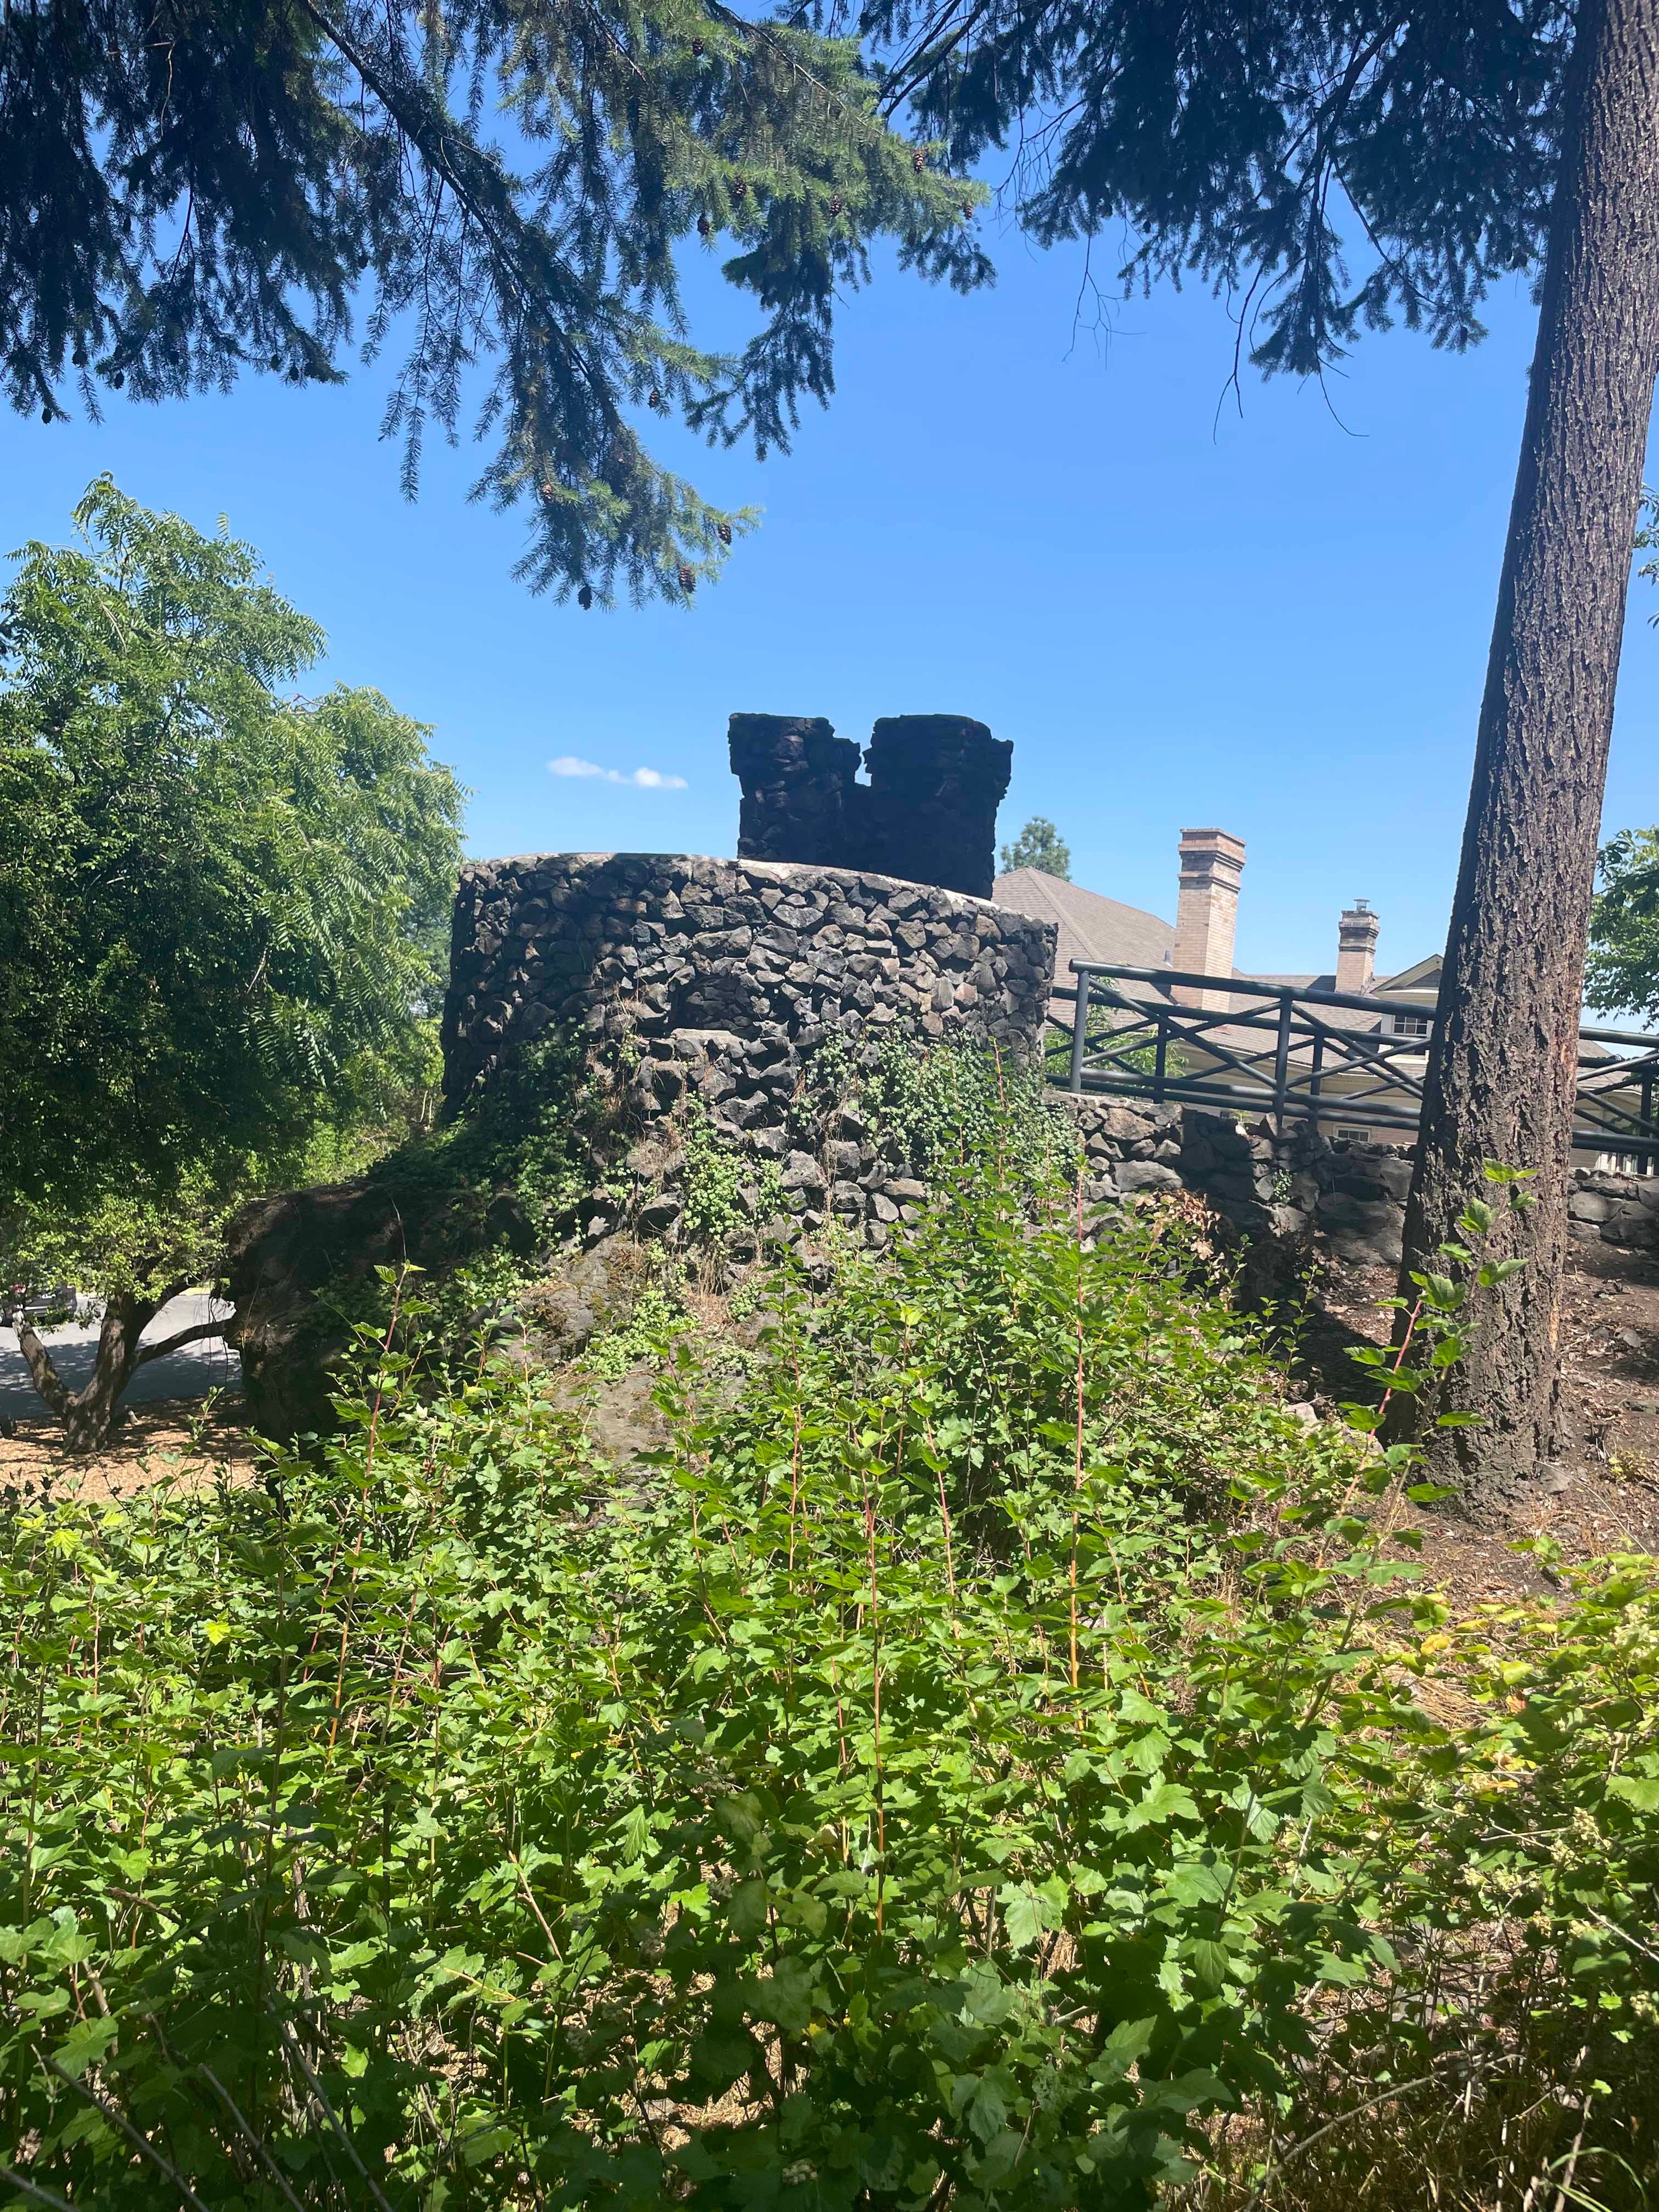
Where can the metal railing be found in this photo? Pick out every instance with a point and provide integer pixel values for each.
(1285, 1052)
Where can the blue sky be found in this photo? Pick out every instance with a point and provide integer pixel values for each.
(1274, 620)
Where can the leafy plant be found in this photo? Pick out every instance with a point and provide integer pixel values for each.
(725, 1191)
(963, 1767)
(222, 914)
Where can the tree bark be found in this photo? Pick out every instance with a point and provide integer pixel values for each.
(1501, 1075)
(89, 1415)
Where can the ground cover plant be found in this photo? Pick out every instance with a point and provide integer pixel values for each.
(979, 1762)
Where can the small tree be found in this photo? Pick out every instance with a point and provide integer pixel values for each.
(222, 914)
(1039, 845)
(1622, 973)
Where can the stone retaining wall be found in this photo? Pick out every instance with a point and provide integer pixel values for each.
(719, 980)
(1622, 1210)
(1353, 1195)
(725, 974)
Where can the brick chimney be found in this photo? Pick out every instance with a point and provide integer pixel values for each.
(1356, 948)
(1207, 912)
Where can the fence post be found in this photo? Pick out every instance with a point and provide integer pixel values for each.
(1313, 1081)
(1079, 1032)
(1282, 1061)
(1160, 1055)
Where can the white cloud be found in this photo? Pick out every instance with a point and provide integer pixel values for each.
(642, 779)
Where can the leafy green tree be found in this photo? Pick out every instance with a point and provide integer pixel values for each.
(223, 912)
(1622, 973)
(1335, 168)
(497, 186)
(1039, 845)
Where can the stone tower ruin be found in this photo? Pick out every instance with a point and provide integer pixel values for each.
(928, 815)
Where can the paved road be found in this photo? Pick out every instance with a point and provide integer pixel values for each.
(209, 1363)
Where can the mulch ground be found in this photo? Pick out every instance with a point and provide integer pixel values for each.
(171, 1440)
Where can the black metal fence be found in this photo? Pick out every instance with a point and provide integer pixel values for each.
(1323, 1058)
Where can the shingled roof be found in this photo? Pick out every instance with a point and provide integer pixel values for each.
(1091, 927)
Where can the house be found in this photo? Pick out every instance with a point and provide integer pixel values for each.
(1351, 1087)
(1092, 927)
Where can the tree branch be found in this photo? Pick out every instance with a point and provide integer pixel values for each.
(46, 1379)
(200, 1329)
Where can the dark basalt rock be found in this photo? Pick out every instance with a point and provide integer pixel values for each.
(936, 781)
(800, 798)
(284, 1253)
(926, 816)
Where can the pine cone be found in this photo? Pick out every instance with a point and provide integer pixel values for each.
(688, 579)
(705, 228)
(918, 161)
(724, 531)
(584, 597)
(738, 189)
(835, 204)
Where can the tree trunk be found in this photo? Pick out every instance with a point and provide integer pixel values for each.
(1501, 1075)
(89, 1415)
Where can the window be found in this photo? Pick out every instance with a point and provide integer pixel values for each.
(1353, 1136)
(1412, 1026)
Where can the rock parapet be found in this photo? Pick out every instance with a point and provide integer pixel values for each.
(928, 815)
(661, 956)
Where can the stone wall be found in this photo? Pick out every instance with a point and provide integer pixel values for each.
(1268, 1185)
(801, 799)
(928, 815)
(720, 980)
(1621, 1210)
(688, 960)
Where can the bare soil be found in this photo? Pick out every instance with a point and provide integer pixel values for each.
(1603, 1493)
(180, 1440)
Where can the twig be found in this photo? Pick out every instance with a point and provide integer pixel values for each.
(32, 2190)
(1382, 2096)
(257, 2142)
(142, 2143)
(333, 2117)
(1564, 2187)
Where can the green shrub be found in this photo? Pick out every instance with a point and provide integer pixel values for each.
(963, 1770)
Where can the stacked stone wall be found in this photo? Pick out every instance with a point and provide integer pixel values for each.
(719, 982)
(926, 816)
(1267, 1185)
(1621, 1210)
